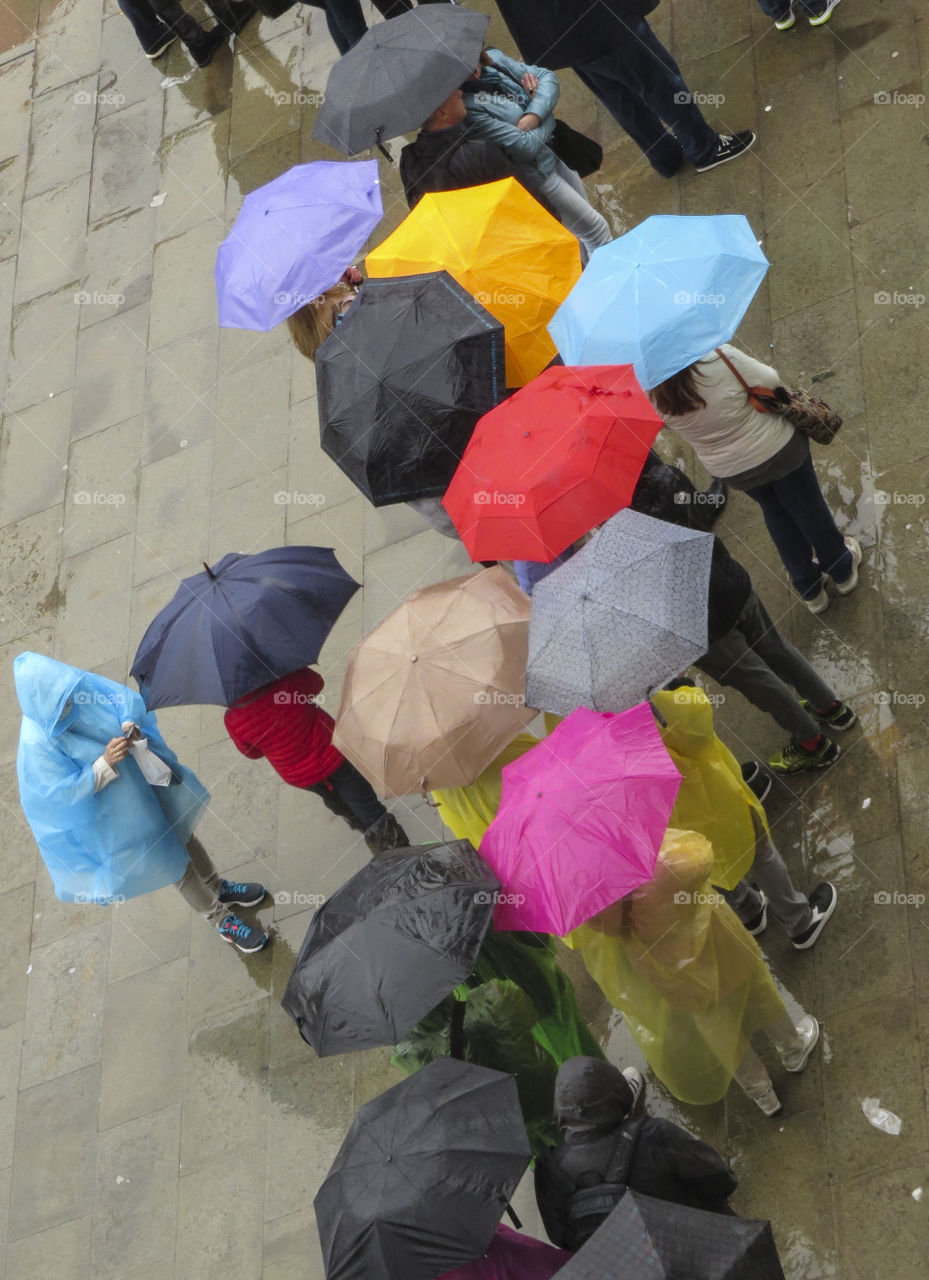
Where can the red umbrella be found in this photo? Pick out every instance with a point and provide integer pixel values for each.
(557, 458)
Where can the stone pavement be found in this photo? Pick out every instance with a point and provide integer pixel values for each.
(159, 1115)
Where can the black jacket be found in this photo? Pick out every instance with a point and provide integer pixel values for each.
(449, 159)
(730, 587)
(669, 1164)
(568, 33)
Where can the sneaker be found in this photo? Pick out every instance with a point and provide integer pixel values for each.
(796, 759)
(757, 925)
(818, 603)
(769, 1102)
(822, 901)
(839, 716)
(851, 582)
(235, 893)
(808, 1031)
(788, 20)
(203, 49)
(756, 778)
(728, 147)
(820, 18)
(386, 834)
(164, 43)
(246, 937)
(636, 1082)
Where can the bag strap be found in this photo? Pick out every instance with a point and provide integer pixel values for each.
(762, 399)
(725, 359)
(624, 1152)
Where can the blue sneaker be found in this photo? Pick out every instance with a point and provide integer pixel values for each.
(235, 893)
(246, 937)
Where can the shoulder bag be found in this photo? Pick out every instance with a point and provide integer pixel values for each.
(802, 409)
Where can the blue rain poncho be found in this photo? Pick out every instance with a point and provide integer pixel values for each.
(120, 842)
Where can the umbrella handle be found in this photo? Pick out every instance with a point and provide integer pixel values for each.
(424, 794)
(511, 1214)
(657, 714)
(380, 146)
(456, 1034)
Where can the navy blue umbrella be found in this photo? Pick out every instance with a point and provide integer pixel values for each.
(241, 624)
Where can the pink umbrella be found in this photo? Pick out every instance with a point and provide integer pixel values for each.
(512, 1256)
(581, 819)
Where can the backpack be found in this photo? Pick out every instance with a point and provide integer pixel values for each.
(588, 1206)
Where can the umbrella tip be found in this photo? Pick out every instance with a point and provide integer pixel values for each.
(209, 571)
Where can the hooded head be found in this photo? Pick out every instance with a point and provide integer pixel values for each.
(46, 691)
(592, 1098)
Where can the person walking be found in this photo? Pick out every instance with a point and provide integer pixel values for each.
(747, 652)
(511, 104)
(616, 54)
(157, 23)
(766, 457)
(576, 1188)
(111, 807)
(284, 722)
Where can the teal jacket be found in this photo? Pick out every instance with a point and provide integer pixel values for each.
(498, 100)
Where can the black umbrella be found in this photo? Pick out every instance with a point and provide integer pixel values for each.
(393, 79)
(241, 624)
(423, 1176)
(402, 382)
(389, 945)
(648, 1239)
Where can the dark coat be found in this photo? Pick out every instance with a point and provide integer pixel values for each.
(568, 33)
(730, 587)
(449, 159)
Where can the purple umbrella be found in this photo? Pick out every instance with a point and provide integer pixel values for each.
(293, 238)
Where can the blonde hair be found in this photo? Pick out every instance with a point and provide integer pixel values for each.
(312, 324)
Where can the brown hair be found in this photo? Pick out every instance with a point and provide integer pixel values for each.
(678, 394)
(312, 324)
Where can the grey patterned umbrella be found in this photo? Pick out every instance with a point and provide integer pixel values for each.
(623, 616)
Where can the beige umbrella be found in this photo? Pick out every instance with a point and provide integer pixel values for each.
(436, 691)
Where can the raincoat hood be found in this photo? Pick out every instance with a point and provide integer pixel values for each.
(44, 688)
(592, 1097)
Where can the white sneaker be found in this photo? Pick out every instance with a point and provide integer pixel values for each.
(785, 23)
(826, 14)
(820, 603)
(769, 1102)
(636, 1082)
(851, 582)
(808, 1031)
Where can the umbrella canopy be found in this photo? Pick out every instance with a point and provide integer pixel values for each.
(389, 945)
(397, 74)
(504, 248)
(423, 1175)
(581, 820)
(648, 1239)
(512, 1256)
(623, 616)
(557, 458)
(435, 691)
(242, 623)
(662, 296)
(293, 238)
(402, 382)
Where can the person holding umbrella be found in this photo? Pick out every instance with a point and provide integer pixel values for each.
(111, 807)
(313, 322)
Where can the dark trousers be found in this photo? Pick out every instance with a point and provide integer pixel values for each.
(801, 524)
(347, 790)
(641, 86)
(346, 23)
(150, 29)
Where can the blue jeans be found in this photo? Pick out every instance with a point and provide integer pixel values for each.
(641, 86)
(147, 25)
(800, 524)
(346, 23)
(778, 9)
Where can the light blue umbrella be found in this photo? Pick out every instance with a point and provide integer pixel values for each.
(293, 238)
(662, 295)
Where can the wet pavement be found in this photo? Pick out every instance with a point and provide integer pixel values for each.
(159, 1114)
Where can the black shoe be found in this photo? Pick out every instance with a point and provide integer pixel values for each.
(839, 716)
(158, 48)
(206, 45)
(729, 146)
(247, 938)
(235, 893)
(757, 925)
(822, 901)
(386, 834)
(759, 781)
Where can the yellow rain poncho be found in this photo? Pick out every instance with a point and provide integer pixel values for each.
(687, 977)
(469, 811)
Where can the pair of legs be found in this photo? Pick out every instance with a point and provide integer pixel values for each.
(641, 86)
(350, 796)
(203, 889)
(564, 191)
(346, 23)
(790, 908)
(794, 1043)
(801, 527)
(157, 22)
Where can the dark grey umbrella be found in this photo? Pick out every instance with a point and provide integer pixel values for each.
(648, 1239)
(397, 74)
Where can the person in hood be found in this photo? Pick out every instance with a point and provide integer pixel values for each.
(105, 832)
(593, 1102)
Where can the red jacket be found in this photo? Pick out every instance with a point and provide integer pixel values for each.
(283, 722)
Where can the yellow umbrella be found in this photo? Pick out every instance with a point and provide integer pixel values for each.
(435, 692)
(501, 245)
